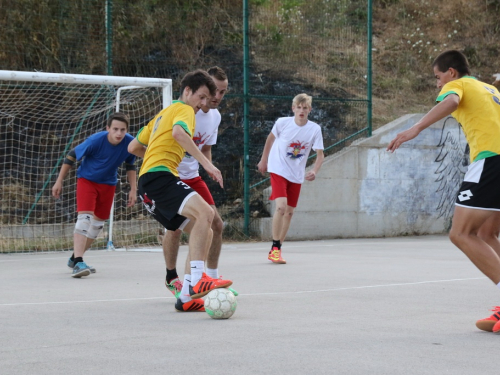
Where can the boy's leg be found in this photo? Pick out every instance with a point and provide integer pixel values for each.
(278, 217)
(198, 185)
(94, 203)
(82, 227)
(464, 234)
(216, 244)
(86, 201)
(481, 250)
(292, 194)
(278, 226)
(490, 231)
(287, 219)
(215, 248)
(200, 238)
(170, 245)
(202, 215)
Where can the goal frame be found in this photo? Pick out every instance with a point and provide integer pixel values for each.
(122, 83)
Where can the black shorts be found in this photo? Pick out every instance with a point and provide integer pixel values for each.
(164, 196)
(481, 186)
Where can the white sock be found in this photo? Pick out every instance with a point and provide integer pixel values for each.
(185, 297)
(498, 285)
(213, 273)
(197, 269)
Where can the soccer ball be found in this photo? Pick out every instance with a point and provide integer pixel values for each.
(220, 303)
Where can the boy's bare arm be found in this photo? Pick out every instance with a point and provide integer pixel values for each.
(262, 166)
(207, 151)
(132, 180)
(439, 111)
(136, 148)
(181, 137)
(320, 157)
(57, 188)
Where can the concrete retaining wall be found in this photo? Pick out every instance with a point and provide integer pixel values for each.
(364, 191)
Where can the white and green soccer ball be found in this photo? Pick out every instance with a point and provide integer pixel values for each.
(220, 303)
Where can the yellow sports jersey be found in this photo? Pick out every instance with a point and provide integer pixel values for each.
(479, 114)
(163, 153)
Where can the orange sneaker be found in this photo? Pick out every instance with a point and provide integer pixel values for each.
(489, 324)
(189, 306)
(206, 284)
(496, 327)
(275, 256)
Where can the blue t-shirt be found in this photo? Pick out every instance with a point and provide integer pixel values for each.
(101, 159)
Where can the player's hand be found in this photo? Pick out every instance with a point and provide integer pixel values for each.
(402, 138)
(310, 176)
(262, 167)
(215, 174)
(57, 189)
(132, 198)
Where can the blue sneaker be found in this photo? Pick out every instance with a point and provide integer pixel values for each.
(71, 264)
(81, 269)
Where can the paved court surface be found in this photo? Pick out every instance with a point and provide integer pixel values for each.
(370, 306)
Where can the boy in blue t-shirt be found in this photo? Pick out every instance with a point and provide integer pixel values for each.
(101, 155)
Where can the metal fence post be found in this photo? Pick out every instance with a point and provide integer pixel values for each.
(246, 104)
(109, 37)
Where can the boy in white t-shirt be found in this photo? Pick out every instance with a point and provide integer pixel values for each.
(284, 157)
(208, 119)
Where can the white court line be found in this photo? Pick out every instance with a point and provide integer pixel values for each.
(92, 301)
(251, 294)
(41, 257)
(338, 245)
(364, 287)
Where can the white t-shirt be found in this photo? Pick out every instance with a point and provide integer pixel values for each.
(288, 156)
(205, 133)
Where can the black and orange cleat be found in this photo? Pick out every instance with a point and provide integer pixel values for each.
(206, 284)
(190, 306)
(487, 324)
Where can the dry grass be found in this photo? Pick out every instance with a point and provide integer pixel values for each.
(408, 35)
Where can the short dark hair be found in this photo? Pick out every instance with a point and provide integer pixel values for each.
(452, 59)
(195, 80)
(120, 117)
(217, 73)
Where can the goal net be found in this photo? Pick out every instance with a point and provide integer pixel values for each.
(42, 117)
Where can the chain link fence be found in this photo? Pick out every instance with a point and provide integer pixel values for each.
(320, 47)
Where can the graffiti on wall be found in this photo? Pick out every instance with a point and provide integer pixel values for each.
(452, 161)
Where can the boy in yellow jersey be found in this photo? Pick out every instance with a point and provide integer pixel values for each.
(162, 144)
(476, 220)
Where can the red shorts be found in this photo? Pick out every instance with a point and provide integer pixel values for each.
(93, 197)
(198, 185)
(282, 188)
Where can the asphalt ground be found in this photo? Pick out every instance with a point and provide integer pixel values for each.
(351, 306)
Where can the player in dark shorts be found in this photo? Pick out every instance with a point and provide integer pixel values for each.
(476, 220)
(163, 143)
(208, 119)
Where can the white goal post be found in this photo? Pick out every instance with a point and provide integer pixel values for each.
(43, 116)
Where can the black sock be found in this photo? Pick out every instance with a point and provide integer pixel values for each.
(78, 260)
(72, 257)
(171, 274)
(277, 243)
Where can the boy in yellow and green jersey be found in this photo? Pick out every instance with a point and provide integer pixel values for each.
(476, 220)
(162, 144)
